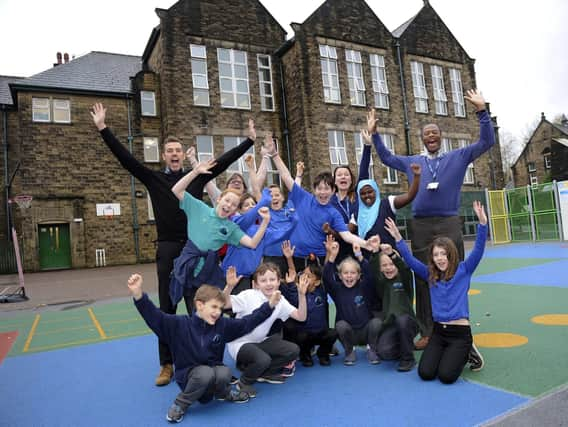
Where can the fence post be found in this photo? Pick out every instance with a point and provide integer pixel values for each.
(490, 222)
(558, 213)
(531, 212)
(506, 202)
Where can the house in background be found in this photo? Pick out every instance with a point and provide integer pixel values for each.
(545, 156)
(201, 76)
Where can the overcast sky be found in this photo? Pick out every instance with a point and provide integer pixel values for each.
(520, 47)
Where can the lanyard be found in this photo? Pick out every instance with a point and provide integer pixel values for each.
(347, 211)
(434, 170)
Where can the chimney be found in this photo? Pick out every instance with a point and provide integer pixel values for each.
(58, 59)
(542, 117)
(66, 57)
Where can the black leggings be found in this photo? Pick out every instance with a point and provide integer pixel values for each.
(446, 353)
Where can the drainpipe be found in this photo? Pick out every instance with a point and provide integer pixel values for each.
(6, 176)
(404, 102)
(285, 114)
(135, 225)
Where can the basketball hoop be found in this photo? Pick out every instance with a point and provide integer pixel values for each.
(23, 201)
(108, 212)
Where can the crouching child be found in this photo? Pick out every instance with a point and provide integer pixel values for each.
(197, 343)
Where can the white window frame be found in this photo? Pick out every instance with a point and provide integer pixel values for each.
(238, 165)
(359, 153)
(199, 80)
(391, 175)
(547, 161)
(469, 177)
(205, 150)
(355, 77)
(234, 98)
(41, 106)
(445, 145)
(457, 92)
(533, 179)
(265, 84)
(151, 150)
(380, 86)
(63, 106)
(146, 97)
(337, 150)
(533, 168)
(440, 99)
(419, 87)
(329, 74)
(151, 216)
(272, 175)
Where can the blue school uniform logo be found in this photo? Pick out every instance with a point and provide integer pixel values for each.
(216, 340)
(359, 300)
(318, 301)
(397, 286)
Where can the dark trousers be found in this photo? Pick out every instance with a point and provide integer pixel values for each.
(396, 340)
(306, 340)
(446, 354)
(203, 384)
(280, 261)
(423, 233)
(265, 358)
(350, 337)
(166, 252)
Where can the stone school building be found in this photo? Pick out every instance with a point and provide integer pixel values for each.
(200, 77)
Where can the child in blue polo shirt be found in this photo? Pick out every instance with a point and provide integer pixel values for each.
(197, 343)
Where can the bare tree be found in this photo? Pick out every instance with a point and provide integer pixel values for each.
(511, 147)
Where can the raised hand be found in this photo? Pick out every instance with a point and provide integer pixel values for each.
(416, 169)
(99, 114)
(367, 137)
(249, 161)
(135, 285)
(386, 248)
(274, 299)
(288, 249)
(291, 276)
(303, 284)
(393, 229)
(300, 169)
(331, 246)
(480, 212)
(475, 97)
(191, 155)
(205, 167)
(374, 243)
(231, 278)
(371, 121)
(264, 214)
(251, 129)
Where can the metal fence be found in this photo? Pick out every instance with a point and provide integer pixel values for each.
(8, 263)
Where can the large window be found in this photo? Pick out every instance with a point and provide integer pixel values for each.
(355, 77)
(199, 75)
(233, 78)
(469, 177)
(148, 103)
(151, 150)
(230, 142)
(440, 99)
(457, 92)
(419, 87)
(359, 153)
(337, 152)
(329, 74)
(48, 110)
(391, 176)
(380, 87)
(204, 148)
(265, 82)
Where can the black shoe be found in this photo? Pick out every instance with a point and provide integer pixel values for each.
(233, 380)
(324, 360)
(307, 361)
(334, 351)
(475, 359)
(406, 365)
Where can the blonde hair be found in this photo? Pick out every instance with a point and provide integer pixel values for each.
(349, 260)
(207, 293)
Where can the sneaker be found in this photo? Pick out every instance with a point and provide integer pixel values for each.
(235, 396)
(372, 357)
(421, 343)
(324, 360)
(248, 389)
(175, 414)
(165, 375)
(307, 361)
(406, 365)
(350, 359)
(334, 351)
(234, 380)
(475, 360)
(289, 369)
(272, 379)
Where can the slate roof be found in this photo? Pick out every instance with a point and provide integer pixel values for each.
(5, 95)
(398, 32)
(93, 72)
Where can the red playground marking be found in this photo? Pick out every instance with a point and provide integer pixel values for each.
(6, 341)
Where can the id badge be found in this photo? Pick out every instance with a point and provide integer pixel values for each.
(432, 186)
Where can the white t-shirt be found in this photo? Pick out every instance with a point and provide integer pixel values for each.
(245, 303)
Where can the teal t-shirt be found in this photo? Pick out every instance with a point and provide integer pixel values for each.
(207, 230)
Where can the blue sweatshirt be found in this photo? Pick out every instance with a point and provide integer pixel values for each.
(352, 304)
(449, 299)
(283, 219)
(447, 169)
(194, 342)
(316, 307)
